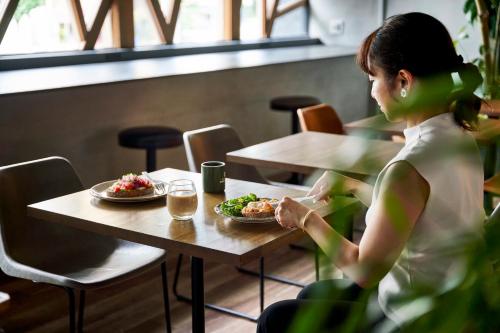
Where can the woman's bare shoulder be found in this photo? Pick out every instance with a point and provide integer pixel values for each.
(404, 176)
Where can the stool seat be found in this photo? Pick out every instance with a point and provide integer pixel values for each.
(148, 137)
(292, 103)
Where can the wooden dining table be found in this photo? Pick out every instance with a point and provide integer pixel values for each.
(206, 237)
(308, 151)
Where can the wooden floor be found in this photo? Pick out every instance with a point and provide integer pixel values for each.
(136, 305)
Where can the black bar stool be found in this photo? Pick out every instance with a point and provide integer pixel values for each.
(150, 138)
(292, 104)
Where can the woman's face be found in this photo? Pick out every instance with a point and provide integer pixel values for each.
(383, 92)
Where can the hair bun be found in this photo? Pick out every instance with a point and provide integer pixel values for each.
(470, 76)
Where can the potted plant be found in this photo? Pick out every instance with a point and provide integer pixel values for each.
(487, 13)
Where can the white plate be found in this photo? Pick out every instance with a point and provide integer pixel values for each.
(244, 219)
(99, 191)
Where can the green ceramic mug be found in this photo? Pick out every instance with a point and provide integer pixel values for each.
(214, 176)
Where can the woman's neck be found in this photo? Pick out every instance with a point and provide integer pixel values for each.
(419, 117)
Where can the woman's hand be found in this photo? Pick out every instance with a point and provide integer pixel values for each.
(289, 213)
(332, 183)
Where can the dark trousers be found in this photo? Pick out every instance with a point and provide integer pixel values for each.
(323, 306)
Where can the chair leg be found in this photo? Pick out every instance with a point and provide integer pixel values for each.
(165, 296)
(81, 308)
(71, 309)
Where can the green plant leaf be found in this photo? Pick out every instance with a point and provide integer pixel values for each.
(25, 6)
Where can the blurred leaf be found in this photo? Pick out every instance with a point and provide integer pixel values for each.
(470, 10)
(25, 6)
(462, 34)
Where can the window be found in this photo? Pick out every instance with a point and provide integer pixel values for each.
(251, 19)
(49, 25)
(145, 30)
(200, 21)
(291, 25)
(53, 25)
(89, 9)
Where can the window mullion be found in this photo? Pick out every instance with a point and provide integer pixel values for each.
(122, 18)
(232, 19)
(6, 16)
(97, 25)
(76, 7)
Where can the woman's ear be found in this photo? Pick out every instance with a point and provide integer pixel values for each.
(405, 80)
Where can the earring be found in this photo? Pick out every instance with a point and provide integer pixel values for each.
(403, 92)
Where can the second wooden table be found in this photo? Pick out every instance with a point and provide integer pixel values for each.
(307, 151)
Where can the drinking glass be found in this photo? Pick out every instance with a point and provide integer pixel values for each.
(182, 199)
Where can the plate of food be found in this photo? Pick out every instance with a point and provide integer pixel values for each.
(248, 209)
(129, 188)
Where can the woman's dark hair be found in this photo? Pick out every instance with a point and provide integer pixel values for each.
(421, 44)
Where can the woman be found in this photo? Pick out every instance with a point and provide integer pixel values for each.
(426, 202)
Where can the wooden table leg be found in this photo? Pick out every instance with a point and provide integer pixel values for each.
(197, 295)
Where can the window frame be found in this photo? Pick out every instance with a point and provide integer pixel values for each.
(51, 59)
(123, 34)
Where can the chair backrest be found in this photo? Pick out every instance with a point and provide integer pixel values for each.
(320, 118)
(31, 241)
(212, 144)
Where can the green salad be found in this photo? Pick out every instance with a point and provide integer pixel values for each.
(233, 207)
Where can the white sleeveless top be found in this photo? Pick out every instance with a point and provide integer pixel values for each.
(447, 157)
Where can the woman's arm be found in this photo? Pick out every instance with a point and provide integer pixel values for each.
(363, 191)
(332, 183)
(401, 200)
